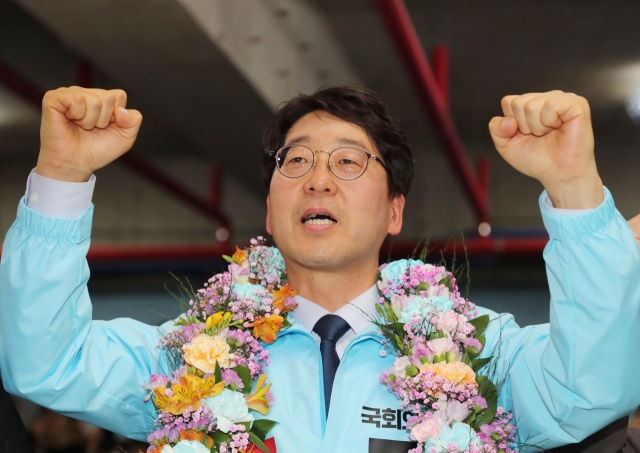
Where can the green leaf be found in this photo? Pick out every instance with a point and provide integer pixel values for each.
(262, 427)
(218, 372)
(219, 437)
(245, 375)
(480, 323)
(482, 339)
(479, 363)
(228, 259)
(380, 310)
(398, 327)
(255, 440)
(489, 392)
(446, 282)
(286, 323)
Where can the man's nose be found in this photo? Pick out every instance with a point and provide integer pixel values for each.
(320, 177)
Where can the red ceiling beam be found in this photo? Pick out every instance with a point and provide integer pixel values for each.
(398, 22)
(480, 246)
(474, 247)
(99, 253)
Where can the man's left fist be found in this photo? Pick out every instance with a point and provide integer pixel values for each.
(548, 136)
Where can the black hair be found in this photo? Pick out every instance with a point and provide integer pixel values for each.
(356, 105)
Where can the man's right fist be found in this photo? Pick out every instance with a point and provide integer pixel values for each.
(84, 130)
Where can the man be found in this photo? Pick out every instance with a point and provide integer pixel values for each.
(563, 381)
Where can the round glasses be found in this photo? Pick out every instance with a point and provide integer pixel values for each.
(347, 163)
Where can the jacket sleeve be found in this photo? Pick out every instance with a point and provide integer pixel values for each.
(51, 352)
(567, 379)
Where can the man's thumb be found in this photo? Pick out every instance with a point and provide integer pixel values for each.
(127, 119)
(502, 130)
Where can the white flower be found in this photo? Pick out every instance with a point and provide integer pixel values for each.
(186, 446)
(228, 408)
(399, 368)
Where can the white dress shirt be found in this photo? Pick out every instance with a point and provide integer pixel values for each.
(358, 314)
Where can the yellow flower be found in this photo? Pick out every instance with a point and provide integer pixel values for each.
(267, 328)
(455, 372)
(204, 351)
(214, 320)
(258, 401)
(240, 255)
(187, 393)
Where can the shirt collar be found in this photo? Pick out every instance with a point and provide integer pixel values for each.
(358, 312)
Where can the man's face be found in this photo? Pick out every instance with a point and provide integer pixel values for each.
(360, 211)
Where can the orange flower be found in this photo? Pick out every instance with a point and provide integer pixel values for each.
(157, 448)
(240, 255)
(280, 297)
(188, 393)
(455, 372)
(195, 435)
(267, 328)
(258, 401)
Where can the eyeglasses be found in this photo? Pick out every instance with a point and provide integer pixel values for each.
(346, 163)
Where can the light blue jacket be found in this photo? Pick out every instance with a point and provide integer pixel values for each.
(564, 380)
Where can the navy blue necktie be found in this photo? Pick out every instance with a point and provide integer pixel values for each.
(330, 328)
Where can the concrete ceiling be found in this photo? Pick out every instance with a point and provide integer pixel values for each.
(202, 97)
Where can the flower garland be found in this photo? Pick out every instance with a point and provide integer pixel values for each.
(216, 355)
(206, 404)
(427, 326)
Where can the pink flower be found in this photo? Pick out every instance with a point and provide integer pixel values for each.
(440, 346)
(438, 290)
(450, 321)
(457, 411)
(420, 349)
(157, 380)
(429, 428)
(399, 303)
(239, 273)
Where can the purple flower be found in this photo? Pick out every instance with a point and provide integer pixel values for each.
(231, 377)
(480, 402)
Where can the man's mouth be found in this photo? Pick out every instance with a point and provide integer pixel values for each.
(318, 219)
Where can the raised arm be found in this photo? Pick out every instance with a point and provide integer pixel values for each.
(50, 350)
(572, 377)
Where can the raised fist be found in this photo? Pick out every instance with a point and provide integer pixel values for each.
(83, 130)
(548, 136)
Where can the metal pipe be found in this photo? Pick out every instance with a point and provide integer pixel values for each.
(20, 86)
(397, 20)
(440, 58)
(151, 174)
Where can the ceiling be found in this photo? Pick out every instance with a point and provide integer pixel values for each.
(203, 97)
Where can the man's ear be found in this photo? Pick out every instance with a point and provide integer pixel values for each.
(397, 209)
(268, 215)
